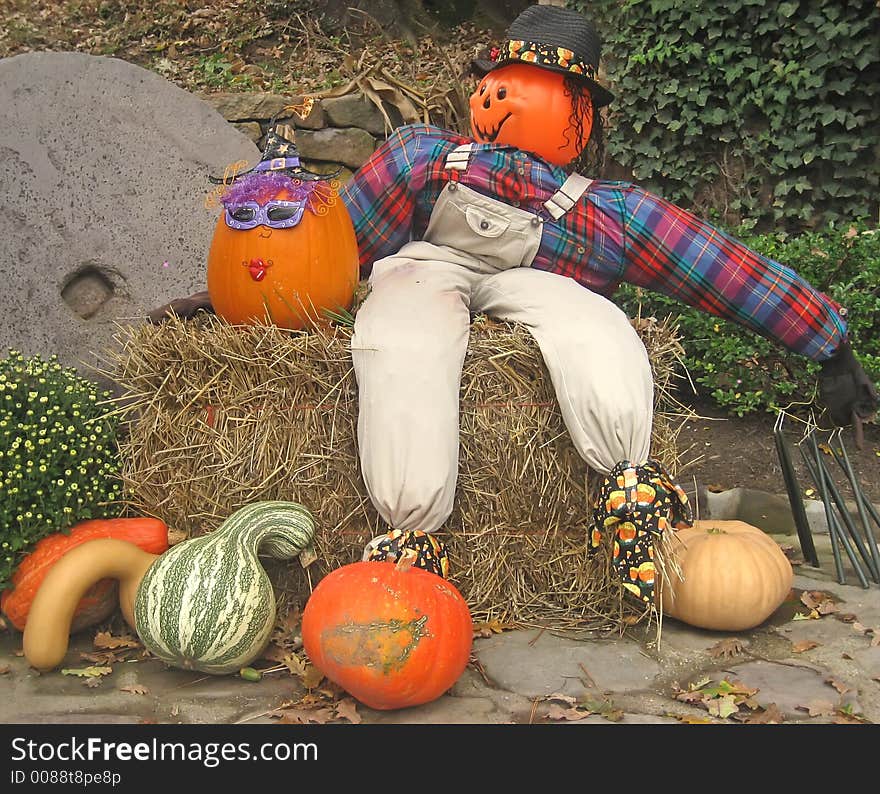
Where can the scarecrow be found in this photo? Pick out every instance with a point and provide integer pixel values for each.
(503, 224)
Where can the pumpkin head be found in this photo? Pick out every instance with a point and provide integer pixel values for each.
(529, 108)
(283, 249)
(391, 636)
(734, 576)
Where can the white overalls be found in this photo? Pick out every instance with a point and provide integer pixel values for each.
(410, 339)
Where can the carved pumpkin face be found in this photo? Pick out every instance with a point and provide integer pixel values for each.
(274, 256)
(528, 107)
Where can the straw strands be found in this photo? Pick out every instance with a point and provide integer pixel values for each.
(219, 416)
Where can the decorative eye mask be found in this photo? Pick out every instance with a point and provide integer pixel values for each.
(276, 214)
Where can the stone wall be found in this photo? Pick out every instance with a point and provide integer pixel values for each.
(339, 132)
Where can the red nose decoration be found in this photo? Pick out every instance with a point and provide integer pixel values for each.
(257, 268)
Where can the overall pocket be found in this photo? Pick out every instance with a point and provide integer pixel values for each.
(500, 235)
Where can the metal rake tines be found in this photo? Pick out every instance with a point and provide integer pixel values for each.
(795, 500)
(841, 527)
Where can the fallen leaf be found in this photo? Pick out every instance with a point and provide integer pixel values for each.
(250, 674)
(557, 712)
(347, 710)
(819, 601)
(91, 683)
(296, 716)
(846, 617)
(846, 716)
(571, 701)
(838, 685)
(845, 656)
(5, 669)
(814, 615)
(804, 645)
(818, 708)
(770, 715)
(312, 677)
(87, 672)
(723, 706)
(859, 628)
(732, 646)
(605, 709)
(286, 630)
(105, 658)
(135, 689)
(489, 627)
(104, 640)
(693, 720)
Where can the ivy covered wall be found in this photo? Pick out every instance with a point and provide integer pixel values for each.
(748, 110)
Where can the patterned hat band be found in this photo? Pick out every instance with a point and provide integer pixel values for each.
(545, 55)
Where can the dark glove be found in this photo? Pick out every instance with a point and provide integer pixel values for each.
(844, 388)
(184, 308)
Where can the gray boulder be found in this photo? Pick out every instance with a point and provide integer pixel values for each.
(105, 170)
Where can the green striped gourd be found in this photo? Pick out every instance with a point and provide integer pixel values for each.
(207, 604)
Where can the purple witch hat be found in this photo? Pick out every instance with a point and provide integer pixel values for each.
(280, 155)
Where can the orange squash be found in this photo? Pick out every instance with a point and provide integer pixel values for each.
(391, 636)
(734, 576)
(288, 275)
(526, 107)
(100, 600)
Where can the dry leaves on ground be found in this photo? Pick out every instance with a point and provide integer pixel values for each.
(87, 672)
(135, 689)
(873, 631)
(820, 601)
(804, 645)
(566, 707)
(111, 649)
(488, 628)
(722, 699)
(725, 649)
(319, 707)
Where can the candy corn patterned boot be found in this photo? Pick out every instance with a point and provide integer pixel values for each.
(430, 552)
(638, 503)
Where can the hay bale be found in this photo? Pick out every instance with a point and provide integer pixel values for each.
(220, 416)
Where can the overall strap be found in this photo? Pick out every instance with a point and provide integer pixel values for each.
(567, 196)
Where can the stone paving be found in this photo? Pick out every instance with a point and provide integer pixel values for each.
(792, 669)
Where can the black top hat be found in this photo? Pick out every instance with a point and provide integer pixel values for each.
(554, 38)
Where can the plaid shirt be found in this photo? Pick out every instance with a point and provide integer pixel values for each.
(616, 233)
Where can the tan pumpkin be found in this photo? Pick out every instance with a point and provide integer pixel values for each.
(734, 576)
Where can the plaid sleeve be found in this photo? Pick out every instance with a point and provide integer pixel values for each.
(669, 250)
(380, 197)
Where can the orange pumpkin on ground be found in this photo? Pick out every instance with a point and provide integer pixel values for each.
(288, 275)
(522, 106)
(392, 636)
(734, 576)
(101, 599)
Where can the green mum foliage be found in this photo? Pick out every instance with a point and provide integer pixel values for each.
(59, 456)
(748, 109)
(743, 372)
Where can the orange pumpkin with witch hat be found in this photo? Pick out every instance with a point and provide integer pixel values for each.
(284, 248)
